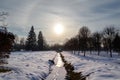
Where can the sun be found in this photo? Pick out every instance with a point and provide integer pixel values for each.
(58, 28)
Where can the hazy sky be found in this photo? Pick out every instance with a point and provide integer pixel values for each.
(73, 14)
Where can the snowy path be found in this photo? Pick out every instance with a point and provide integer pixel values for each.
(58, 70)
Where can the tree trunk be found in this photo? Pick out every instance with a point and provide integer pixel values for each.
(110, 53)
(110, 49)
(98, 51)
(84, 52)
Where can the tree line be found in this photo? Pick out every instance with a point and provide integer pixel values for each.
(106, 40)
(31, 43)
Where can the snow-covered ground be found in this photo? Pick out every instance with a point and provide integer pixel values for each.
(99, 67)
(58, 70)
(35, 66)
(28, 65)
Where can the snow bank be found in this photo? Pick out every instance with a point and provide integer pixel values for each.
(98, 67)
(28, 66)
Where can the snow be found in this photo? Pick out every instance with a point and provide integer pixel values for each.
(98, 67)
(28, 66)
(58, 70)
(58, 73)
(36, 66)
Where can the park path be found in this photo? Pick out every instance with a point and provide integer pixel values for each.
(58, 71)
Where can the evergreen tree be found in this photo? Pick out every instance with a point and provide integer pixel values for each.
(40, 41)
(31, 40)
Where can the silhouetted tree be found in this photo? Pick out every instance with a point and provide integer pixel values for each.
(6, 43)
(56, 47)
(71, 44)
(31, 40)
(18, 44)
(108, 35)
(22, 44)
(116, 43)
(83, 36)
(105, 44)
(91, 44)
(97, 41)
(40, 41)
(74, 44)
(67, 45)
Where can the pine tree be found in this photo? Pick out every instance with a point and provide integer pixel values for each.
(40, 41)
(31, 40)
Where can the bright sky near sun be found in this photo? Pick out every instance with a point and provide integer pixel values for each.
(67, 15)
(58, 28)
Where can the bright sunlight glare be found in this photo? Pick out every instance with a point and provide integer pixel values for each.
(58, 28)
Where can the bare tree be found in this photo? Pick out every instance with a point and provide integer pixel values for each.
(116, 43)
(22, 44)
(90, 44)
(97, 41)
(108, 35)
(16, 39)
(84, 34)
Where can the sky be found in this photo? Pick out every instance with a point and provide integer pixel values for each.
(72, 14)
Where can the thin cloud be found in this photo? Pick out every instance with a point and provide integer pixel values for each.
(44, 13)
